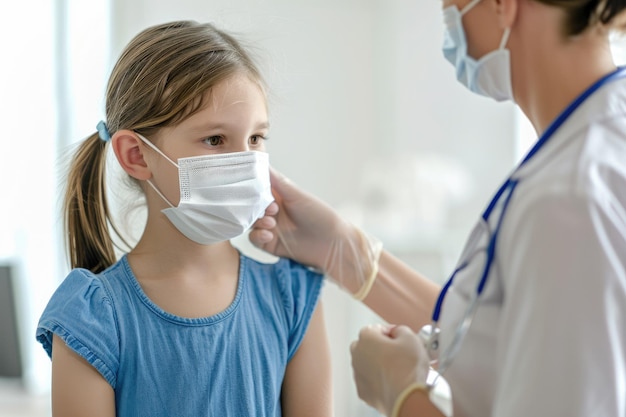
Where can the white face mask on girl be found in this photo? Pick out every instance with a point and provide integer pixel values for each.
(490, 76)
(221, 195)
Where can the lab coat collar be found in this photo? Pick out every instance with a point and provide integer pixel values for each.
(609, 101)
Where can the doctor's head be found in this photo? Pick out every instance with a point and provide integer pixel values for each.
(180, 89)
(497, 46)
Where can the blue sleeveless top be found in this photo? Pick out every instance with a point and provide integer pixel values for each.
(159, 364)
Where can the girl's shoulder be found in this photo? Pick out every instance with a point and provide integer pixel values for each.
(292, 286)
(81, 312)
(288, 276)
(282, 267)
(84, 286)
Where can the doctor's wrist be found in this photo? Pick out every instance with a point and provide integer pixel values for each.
(415, 400)
(352, 262)
(368, 269)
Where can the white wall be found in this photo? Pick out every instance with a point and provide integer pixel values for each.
(27, 189)
(41, 77)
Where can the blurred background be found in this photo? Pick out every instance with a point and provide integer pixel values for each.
(365, 113)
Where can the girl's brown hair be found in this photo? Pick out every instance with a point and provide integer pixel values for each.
(159, 80)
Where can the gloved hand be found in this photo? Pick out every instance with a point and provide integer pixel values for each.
(304, 228)
(386, 360)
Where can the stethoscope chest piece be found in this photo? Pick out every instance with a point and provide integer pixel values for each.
(430, 337)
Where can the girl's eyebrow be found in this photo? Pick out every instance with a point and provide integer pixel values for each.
(214, 126)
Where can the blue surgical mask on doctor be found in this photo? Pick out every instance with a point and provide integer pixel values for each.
(489, 76)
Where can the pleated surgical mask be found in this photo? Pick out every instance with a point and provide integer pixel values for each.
(490, 76)
(221, 195)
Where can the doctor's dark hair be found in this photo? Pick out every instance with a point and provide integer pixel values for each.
(159, 80)
(583, 14)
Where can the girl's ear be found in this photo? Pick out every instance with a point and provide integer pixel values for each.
(129, 153)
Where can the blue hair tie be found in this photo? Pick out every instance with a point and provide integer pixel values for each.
(103, 131)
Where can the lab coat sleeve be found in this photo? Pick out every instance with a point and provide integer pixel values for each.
(562, 333)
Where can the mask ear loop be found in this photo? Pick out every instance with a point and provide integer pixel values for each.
(159, 193)
(469, 7)
(153, 146)
(505, 38)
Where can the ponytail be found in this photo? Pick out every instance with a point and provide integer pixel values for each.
(86, 211)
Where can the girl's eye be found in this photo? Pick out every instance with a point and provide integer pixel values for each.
(256, 139)
(214, 140)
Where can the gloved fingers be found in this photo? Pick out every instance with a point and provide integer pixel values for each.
(276, 232)
(304, 228)
(271, 210)
(282, 187)
(371, 348)
(368, 380)
(413, 347)
(263, 233)
(407, 336)
(266, 222)
(388, 358)
(374, 331)
(382, 365)
(270, 231)
(401, 332)
(367, 391)
(383, 338)
(390, 329)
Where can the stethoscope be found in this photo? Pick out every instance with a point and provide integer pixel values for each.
(430, 333)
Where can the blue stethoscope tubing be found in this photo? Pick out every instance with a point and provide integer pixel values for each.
(507, 188)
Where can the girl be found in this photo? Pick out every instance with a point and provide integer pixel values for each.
(183, 324)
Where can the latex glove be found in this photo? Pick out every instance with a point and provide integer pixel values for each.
(302, 227)
(386, 360)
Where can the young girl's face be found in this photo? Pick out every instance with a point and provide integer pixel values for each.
(234, 119)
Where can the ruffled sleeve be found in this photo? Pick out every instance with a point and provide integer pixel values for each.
(81, 313)
(301, 289)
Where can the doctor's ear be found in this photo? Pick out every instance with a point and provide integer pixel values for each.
(129, 153)
(507, 12)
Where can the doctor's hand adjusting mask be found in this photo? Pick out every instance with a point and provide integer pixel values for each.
(490, 76)
(306, 229)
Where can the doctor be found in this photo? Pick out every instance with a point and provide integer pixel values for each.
(533, 320)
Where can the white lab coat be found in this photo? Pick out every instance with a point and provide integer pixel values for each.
(549, 336)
